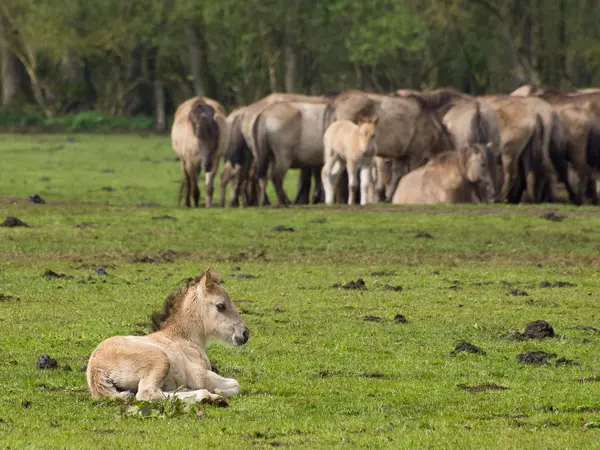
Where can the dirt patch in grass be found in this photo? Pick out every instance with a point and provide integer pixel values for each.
(535, 357)
(556, 284)
(12, 222)
(52, 275)
(352, 285)
(483, 387)
(540, 329)
(8, 298)
(466, 347)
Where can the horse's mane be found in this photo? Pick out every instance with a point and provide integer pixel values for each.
(172, 304)
(203, 115)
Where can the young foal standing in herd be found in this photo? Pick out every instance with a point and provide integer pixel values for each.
(172, 360)
(350, 146)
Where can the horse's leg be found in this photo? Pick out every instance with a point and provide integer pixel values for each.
(380, 186)
(329, 176)
(366, 184)
(149, 386)
(226, 178)
(187, 190)
(352, 174)
(277, 177)
(225, 387)
(200, 395)
(209, 179)
(592, 190)
(319, 193)
(303, 192)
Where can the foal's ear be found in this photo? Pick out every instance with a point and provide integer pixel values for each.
(210, 279)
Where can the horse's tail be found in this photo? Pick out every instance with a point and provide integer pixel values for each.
(329, 115)
(480, 129)
(262, 150)
(101, 385)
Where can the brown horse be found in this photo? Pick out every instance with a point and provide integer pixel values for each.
(199, 137)
(452, 177)
(580, 114)
(287, 135)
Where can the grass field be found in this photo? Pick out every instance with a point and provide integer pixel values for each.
(315, 373)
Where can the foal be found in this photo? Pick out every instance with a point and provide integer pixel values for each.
(351, 146)
(172, 361)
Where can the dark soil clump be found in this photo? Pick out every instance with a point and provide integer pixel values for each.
(483, 387)
(399, 318)
(358, 284)
(144, 259)
(466, 347)
(585, 328)
(101, 271)
(35, 198)
(8, 298)
(553, 217)
(383, 273)
(540, 329)
(107, 189)
(389, 287)
(52, 275)
(243, 276)
(556, 284)
(83, 225)
(46, 362)
(535, 357)
(12, 222)
(283, 228)
(424, 235)
(164, 217)
(566, 362)
(372, 319)
(517, 292)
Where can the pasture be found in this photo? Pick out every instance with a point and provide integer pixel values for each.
(325, 366)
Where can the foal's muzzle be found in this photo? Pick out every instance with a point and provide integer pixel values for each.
(241, 338)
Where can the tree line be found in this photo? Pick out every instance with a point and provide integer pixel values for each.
(144, 57)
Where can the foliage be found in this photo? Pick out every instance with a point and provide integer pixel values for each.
(167, 409)
(108, 55)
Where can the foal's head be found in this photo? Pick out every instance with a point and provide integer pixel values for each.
(204, 308)
(479, 168)
(366, 130)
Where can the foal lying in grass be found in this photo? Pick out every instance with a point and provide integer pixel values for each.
(172, 361)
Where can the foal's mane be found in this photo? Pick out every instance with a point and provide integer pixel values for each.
(172, 304)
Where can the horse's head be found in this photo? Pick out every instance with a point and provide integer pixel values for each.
(479, 170)
(206, 129)
(220, 317)
(366, 129)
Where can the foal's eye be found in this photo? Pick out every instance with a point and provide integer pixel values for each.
(221, 307)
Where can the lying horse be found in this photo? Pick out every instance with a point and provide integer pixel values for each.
(172, 360)
(451, 177)
(351, 147)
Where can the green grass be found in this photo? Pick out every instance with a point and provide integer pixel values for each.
(314, 374)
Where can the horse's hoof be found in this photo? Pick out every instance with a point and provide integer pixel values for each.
(215, 400)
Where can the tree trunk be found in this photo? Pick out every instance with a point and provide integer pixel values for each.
(290, 56)
(159, 102)
(195, 54)
(11, 73)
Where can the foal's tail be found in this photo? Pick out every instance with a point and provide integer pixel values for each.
(102, 386)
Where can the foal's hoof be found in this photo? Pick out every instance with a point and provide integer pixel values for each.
(215, 400)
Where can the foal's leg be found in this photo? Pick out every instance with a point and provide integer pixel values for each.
(366, 184)
(352, 173)
(225, 387)
(152, 378)
(199, 395)
(329, 175)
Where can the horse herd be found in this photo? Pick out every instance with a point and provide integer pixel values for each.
(437, 146)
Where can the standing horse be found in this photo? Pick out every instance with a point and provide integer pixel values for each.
(199, 137)
(350, 146)
(172, 361)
